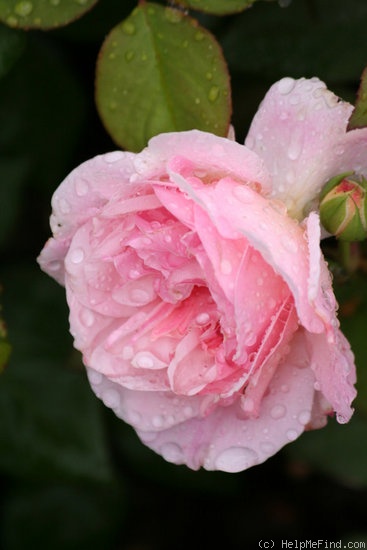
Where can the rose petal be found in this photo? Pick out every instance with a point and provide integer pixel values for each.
(225, 441)
(300, 133)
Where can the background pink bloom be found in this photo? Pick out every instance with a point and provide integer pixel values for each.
(197, 289)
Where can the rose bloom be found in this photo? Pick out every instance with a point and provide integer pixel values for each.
(198, 293)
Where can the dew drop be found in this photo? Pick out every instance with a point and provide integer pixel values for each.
(111, 398)
(129, 55)
(278, 411)
(135, 417)
(95, 378)
(140, 296)
(172, 453)
(199, 36)
(289, 244)
(213, 93)
(202, 318)
(54, 2)
(209, 75)
(284, 388)
(112, 105)
(77, 255)
(286, 85)
(23, 8)
(158, 421)
(267, 447)
(128, 27)
(292, 435)
(188, 411)
(87, 317)
(172, 15)
(64, 206)
(294, 150)
(81, 188)
(304, 417)
(236, 459)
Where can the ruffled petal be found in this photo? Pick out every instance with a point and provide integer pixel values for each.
(224, 440)
(300, 133)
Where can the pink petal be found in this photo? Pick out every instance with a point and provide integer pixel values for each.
(300, 133)
(333, 364)
(225, 441)
(208, 154)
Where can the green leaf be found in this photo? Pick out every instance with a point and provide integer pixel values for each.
(358, 118)
(11, 47)
(159, 71)
(337, 450)
(325, 38)
(42, 14)
(219, 7)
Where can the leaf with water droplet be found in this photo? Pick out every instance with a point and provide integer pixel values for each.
(358, 118)
(42, 14)
(218, 7)
(153, 68)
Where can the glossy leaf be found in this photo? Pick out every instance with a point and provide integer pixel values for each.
(219, 7)
(359, 115)
(42, 14)
(11, 47)
(159, 71)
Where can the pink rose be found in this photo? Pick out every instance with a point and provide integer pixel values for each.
(198, 292)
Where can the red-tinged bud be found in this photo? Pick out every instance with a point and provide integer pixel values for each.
(343, 208)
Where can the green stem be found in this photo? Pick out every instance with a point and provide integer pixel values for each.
(349, 255)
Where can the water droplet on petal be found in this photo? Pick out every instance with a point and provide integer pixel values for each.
(158, 421)
(77, 255)
(87, 317)
(236, 459)
(94, 377)
(278, 411)
(286, 85)
(304, 417)
(113, 156)
(267, 447)
(172, 453)
(202, 318)
(292, 435)
(111, 398)
(64, 206)
(81, 187)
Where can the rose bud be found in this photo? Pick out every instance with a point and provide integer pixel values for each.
(343, 208)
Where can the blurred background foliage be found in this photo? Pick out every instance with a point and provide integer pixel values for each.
(73, 476)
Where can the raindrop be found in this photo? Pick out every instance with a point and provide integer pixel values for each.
(94, 377)
(23, 8)
(199, 36)
(267, 447)
(114, 156)
(172, 453)
(304, 417)
(112, 105)
(111, 398)
(294, 150)
(140, 296)
(173, 16)
(209, 75)
(54, 2)
(64, 206)
(213, 93)
(87, 317)
(188, 411)
(81, 187)
(135, 417)
(128, 27)
(289, 244)
(129, 55)
(286, 85)
(77, 255)
(202, 318)
(236, 459)
(284, 388)
(292, 435)
(278, 411)
(158, 421)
